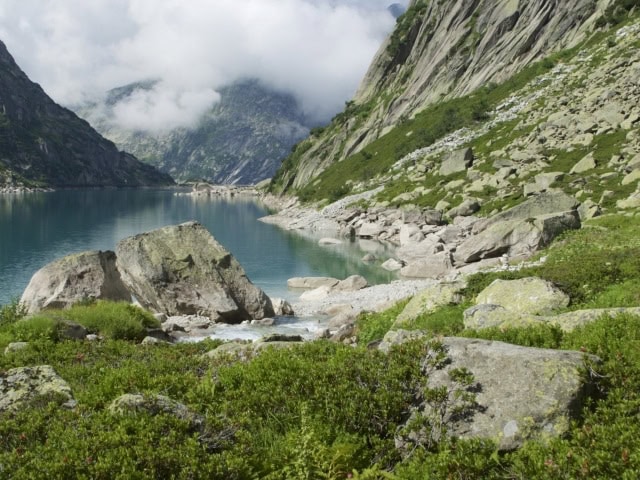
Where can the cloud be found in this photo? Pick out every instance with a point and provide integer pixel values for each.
(316, 49)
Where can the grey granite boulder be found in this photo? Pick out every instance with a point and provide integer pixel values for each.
(517, 238)
(513, 393)
(183, 270)
(430, 299)
(68, 280)
(456, 161)
(542, 204)
(19, 386)
(530, 295)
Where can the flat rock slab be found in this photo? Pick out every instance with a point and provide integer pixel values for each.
(68, 280)
(182, 270)
(520, 393)
(19, 386)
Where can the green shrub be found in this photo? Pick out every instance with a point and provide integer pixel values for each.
(12, 312)
(35, 328)
(117, 320)
(374, 326)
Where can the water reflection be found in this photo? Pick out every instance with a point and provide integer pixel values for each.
(35, 229)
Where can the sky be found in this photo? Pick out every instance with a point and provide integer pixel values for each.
(77, 50)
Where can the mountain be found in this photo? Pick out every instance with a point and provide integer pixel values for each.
(440, 51)
(241, 140)
(44, 144)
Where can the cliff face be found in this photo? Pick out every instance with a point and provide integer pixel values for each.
(45, 144)
(442, 50)
(241, 140)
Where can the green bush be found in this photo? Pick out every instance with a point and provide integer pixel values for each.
(12, 312)
(117, 320)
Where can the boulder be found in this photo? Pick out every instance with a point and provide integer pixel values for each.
(311, 283)
(438, 265)
(133, 404)
(319, 293)
(19, 386)
(530, 295)
(68, 280)
(430, 299)
(15, 347)
(281, 307)
(369, 230)
(542, 204)
(183, 270)
(466, 208)
(516, 237)
(456, 161)
(392, 265)
(587, 163)
(351, 284)
(515, 393)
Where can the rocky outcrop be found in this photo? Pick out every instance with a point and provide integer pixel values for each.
(21, 386)
(516, 238)
(499, 391)
(183, 270)
(43, 143)
(430, 299)
(83, 276)
(443, 50)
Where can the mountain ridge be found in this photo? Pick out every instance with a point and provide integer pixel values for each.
(44, 144)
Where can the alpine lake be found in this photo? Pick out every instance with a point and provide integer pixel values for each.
(38, 228)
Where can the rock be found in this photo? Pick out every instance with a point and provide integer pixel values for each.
(430, 299)
(351, 284)
(632, 177)
(341, 320)
(487, 315)
(545, 180)
(589, 209)
(456, 161)
(20, 386)
(584, 165)
(154, 341)
(280, 337)
(265, 322)
(187, 323)
(241, 351)
(416, 251)
(345, 332)
(15, 347)
(310, 283)
(369, 258)
(281, 307)
(571, 320)
(339, 308)
(530, 295)
(466, 208)
(161, 317)
(633, 201)
(432, 266)
(516, 237)
(369, 230)
(410, 233)
(543, 204)
(183, 270)
(68, 330)
(130, 404)
(82, 276)
(398, 337)
(515, 393)
(329, 241)
(315, 294)
(392, 265)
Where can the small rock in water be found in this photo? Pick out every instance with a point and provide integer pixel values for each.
(329, 241)
(265, 322)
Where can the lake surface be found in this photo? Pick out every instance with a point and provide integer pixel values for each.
(37, 228)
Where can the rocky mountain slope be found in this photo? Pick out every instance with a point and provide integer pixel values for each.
(440, 51)
(241, 140)
(44, 144)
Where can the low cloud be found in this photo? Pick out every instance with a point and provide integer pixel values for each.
(318, 50)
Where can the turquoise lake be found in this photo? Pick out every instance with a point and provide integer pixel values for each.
(37, 228)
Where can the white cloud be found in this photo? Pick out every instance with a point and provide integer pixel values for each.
(78, 49)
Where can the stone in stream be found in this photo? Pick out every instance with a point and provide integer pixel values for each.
(183, 270)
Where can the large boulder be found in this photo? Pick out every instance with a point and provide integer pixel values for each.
(530, 295)
(434, 266)
(68, 280)
(514, 394)
(456, 161)
(542, 204)
(183, 270)
(517, 238)
(21, 386)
